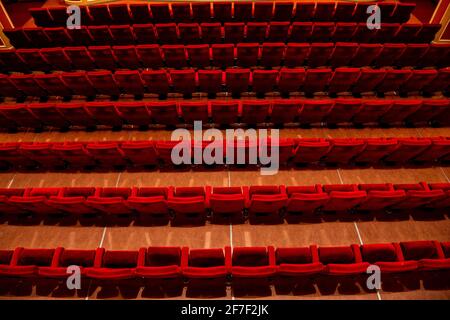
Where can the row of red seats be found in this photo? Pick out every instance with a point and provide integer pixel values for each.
(193, 205)
(226, 112)
(170, 267)
(123, 13)
(225, 55)
(193, 33)
(110, 154)
(233, 80)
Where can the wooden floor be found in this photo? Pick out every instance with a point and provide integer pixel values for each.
(329, 231)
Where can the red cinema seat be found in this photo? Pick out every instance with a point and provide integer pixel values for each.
(386, 34)
(104, 113)
(376, 149)
(316, 80)
(344, 31)
(265, 203)
(134, 113)
(140, 153)
(301, 32)
(25, 263)
(78, 83)
(53, 84)
(278, 31)
(304, 200)
(82, 36)
(18, 38)
(10, 61)
(283, 11)
(440, 82)
(400, 110)
(160, 12)
(418, 195)
(101, 35)
(388, 257)
(343, 197)
(160, 267)
(428, 32)
(234, 32)
(100, 14)
(198, 55)
(366, 54)
(37, 36)
(343, 261)
(227, 204)
(104, 83)
(59, 36)
(211, 32)
(144, 33)
(210, 81)
(164, 112)
(371, 111)
(74, 154)
(390, 53)
(122, 34)
(431, 109)
(343, 53)
(298, 262)
(181, 12)
(188, 205)
(167, 32)
(319, 54)
(35, 201)
(77, 114)
(150, 56)
(7, 88)
(59, 15)
(126, 57)
(291, 80)
(314, 111)
(343, 79)
(407, 32)
(444, 202)
(418, 80)
(343, 150)
(107, 154)
(237, 80)
(12, 157)
(222, 11)
(252, 266)
(103, 57)
(324, 11)
(222, 55)
(183, 81)
(194, 111)
(72, 200)
(403, 11)
(284, 111)
(272, 54)
(201, 11)
(5, 260)
(27, 84)
(41, 153)
(296, 54)
(224, 112)
(110, 201)
(7, 208)
(344, 11)
(264, 81)
(113, 266)
(429, 255)
(343, 110)
(33, 59)
(437, 55)
(365, 35)
(56, 57)
(174, 56)
(119, 13)
(440, 147)
(311, 150)
(189, 32)
(21, 114)
(305, 11)
(80, 57)
(130, 82)
(41, 17)
(164, 150)
(247, 54)
(150, 203)
(254, 111)
(368, 80)
(48, 114)
(263, 11)
(380, 198)
(408, 149)
(64, 258)
(256, 32)
(322, 31)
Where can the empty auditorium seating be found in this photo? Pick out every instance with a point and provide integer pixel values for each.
(343, 260)
(265, 203)
(227, 204)
(188, 205)
(110, 201)
(151, 203)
